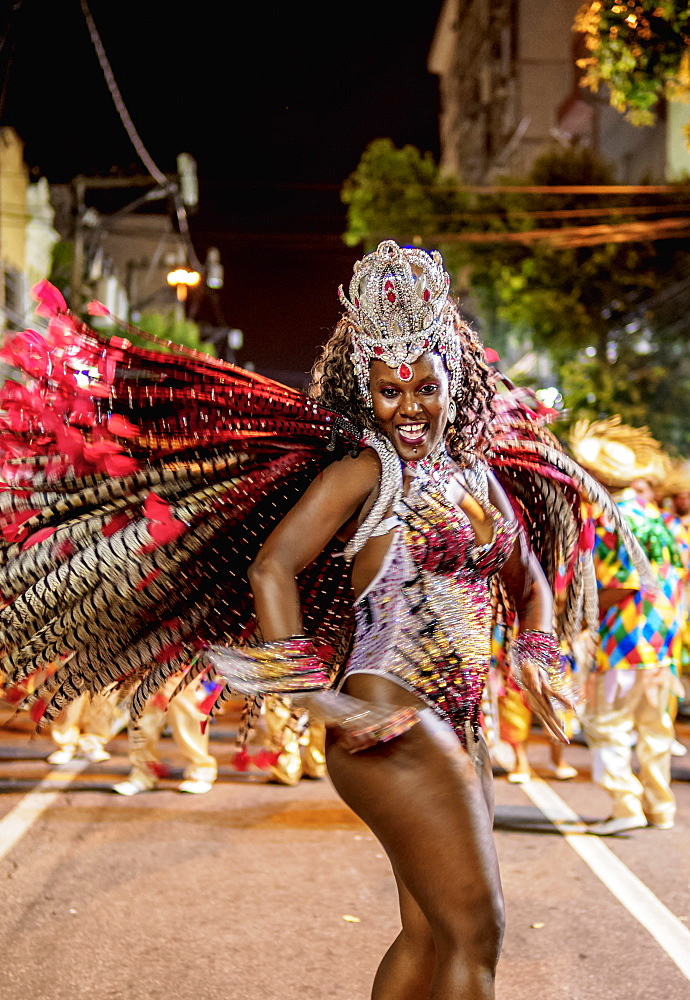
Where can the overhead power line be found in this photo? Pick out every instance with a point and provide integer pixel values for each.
(573, 236)
(593, 189)
(118, 101)
(143, 154)
(571, 213)
(597, 189)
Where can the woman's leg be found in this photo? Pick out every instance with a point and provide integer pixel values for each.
(422, 797)
(407, 968)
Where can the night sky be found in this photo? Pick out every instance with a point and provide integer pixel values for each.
(276, 102)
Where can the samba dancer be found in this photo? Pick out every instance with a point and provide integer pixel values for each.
(425, 528)
(141, 494)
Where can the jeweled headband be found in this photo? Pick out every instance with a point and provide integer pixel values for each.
(397, 301)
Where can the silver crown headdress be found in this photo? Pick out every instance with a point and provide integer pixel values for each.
(397, 301)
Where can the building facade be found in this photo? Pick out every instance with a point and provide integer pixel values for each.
(509, 87)
(504, 67)
(27, 234)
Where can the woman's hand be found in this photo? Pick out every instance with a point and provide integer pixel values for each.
(359, 724)
(541, 695)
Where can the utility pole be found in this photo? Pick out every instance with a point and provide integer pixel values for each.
(79, 195)
(80, 185)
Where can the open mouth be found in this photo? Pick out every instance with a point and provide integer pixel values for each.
(412, 433)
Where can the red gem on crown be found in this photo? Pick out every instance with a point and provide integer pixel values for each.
(378, 351)
(427, 295)
(391, 296)
(405, 372)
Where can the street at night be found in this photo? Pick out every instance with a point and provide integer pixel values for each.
(262, 891)
(344, 380)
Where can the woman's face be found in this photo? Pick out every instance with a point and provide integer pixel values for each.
(414, 414)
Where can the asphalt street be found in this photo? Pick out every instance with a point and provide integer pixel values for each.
(256, 891)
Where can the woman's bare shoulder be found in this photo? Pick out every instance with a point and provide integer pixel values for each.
(362, 470)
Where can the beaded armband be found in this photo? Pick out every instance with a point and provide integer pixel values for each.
(541, 648)
(488, 559)
(286, 666)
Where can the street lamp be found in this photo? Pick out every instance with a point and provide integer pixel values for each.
(182, 279)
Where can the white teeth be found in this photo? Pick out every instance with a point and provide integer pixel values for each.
(411, 427)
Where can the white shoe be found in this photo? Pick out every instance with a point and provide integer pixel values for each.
(95, 755)
(619, 824)
(62, 756)
(132, 787)
(193, 787)
(519, 777)
(678, 750)
(564, 772)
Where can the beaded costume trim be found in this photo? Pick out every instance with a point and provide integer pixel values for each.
(425, 620)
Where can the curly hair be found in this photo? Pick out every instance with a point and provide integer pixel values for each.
(334, 385)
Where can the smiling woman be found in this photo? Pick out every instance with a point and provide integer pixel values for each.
(426, 525)
(180, 511)
(413, 413)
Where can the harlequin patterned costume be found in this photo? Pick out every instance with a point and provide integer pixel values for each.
(139, 486)
(633, 686)
(639, 632)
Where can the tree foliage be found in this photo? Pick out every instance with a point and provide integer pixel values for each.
(401, 184)
(61, 265)
(640, 49)
(589, 307)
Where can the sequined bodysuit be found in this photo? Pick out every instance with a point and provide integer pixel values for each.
(425, 619)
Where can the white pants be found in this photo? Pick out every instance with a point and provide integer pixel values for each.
(86, 723)
(301, 747)
(623, 702)
(185, 719)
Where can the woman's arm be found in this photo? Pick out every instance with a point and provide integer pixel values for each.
(527, 585)
(331, 500)
(522, 575)
(608, 596)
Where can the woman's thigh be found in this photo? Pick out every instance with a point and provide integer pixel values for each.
(421, 796)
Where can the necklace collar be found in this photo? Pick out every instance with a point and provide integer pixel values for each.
(435, 469)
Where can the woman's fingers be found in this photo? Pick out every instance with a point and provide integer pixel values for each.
(542, 708)
(537, 685)
(566, 700)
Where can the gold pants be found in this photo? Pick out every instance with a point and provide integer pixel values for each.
(616, 708)
(514, 717)
(301, 746)
(185, 720)
(86, 723)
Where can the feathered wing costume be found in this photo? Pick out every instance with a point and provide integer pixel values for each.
(548, 491)
(137, 487)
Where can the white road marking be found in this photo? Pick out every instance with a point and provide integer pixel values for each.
(15, 824)
(666, 929)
